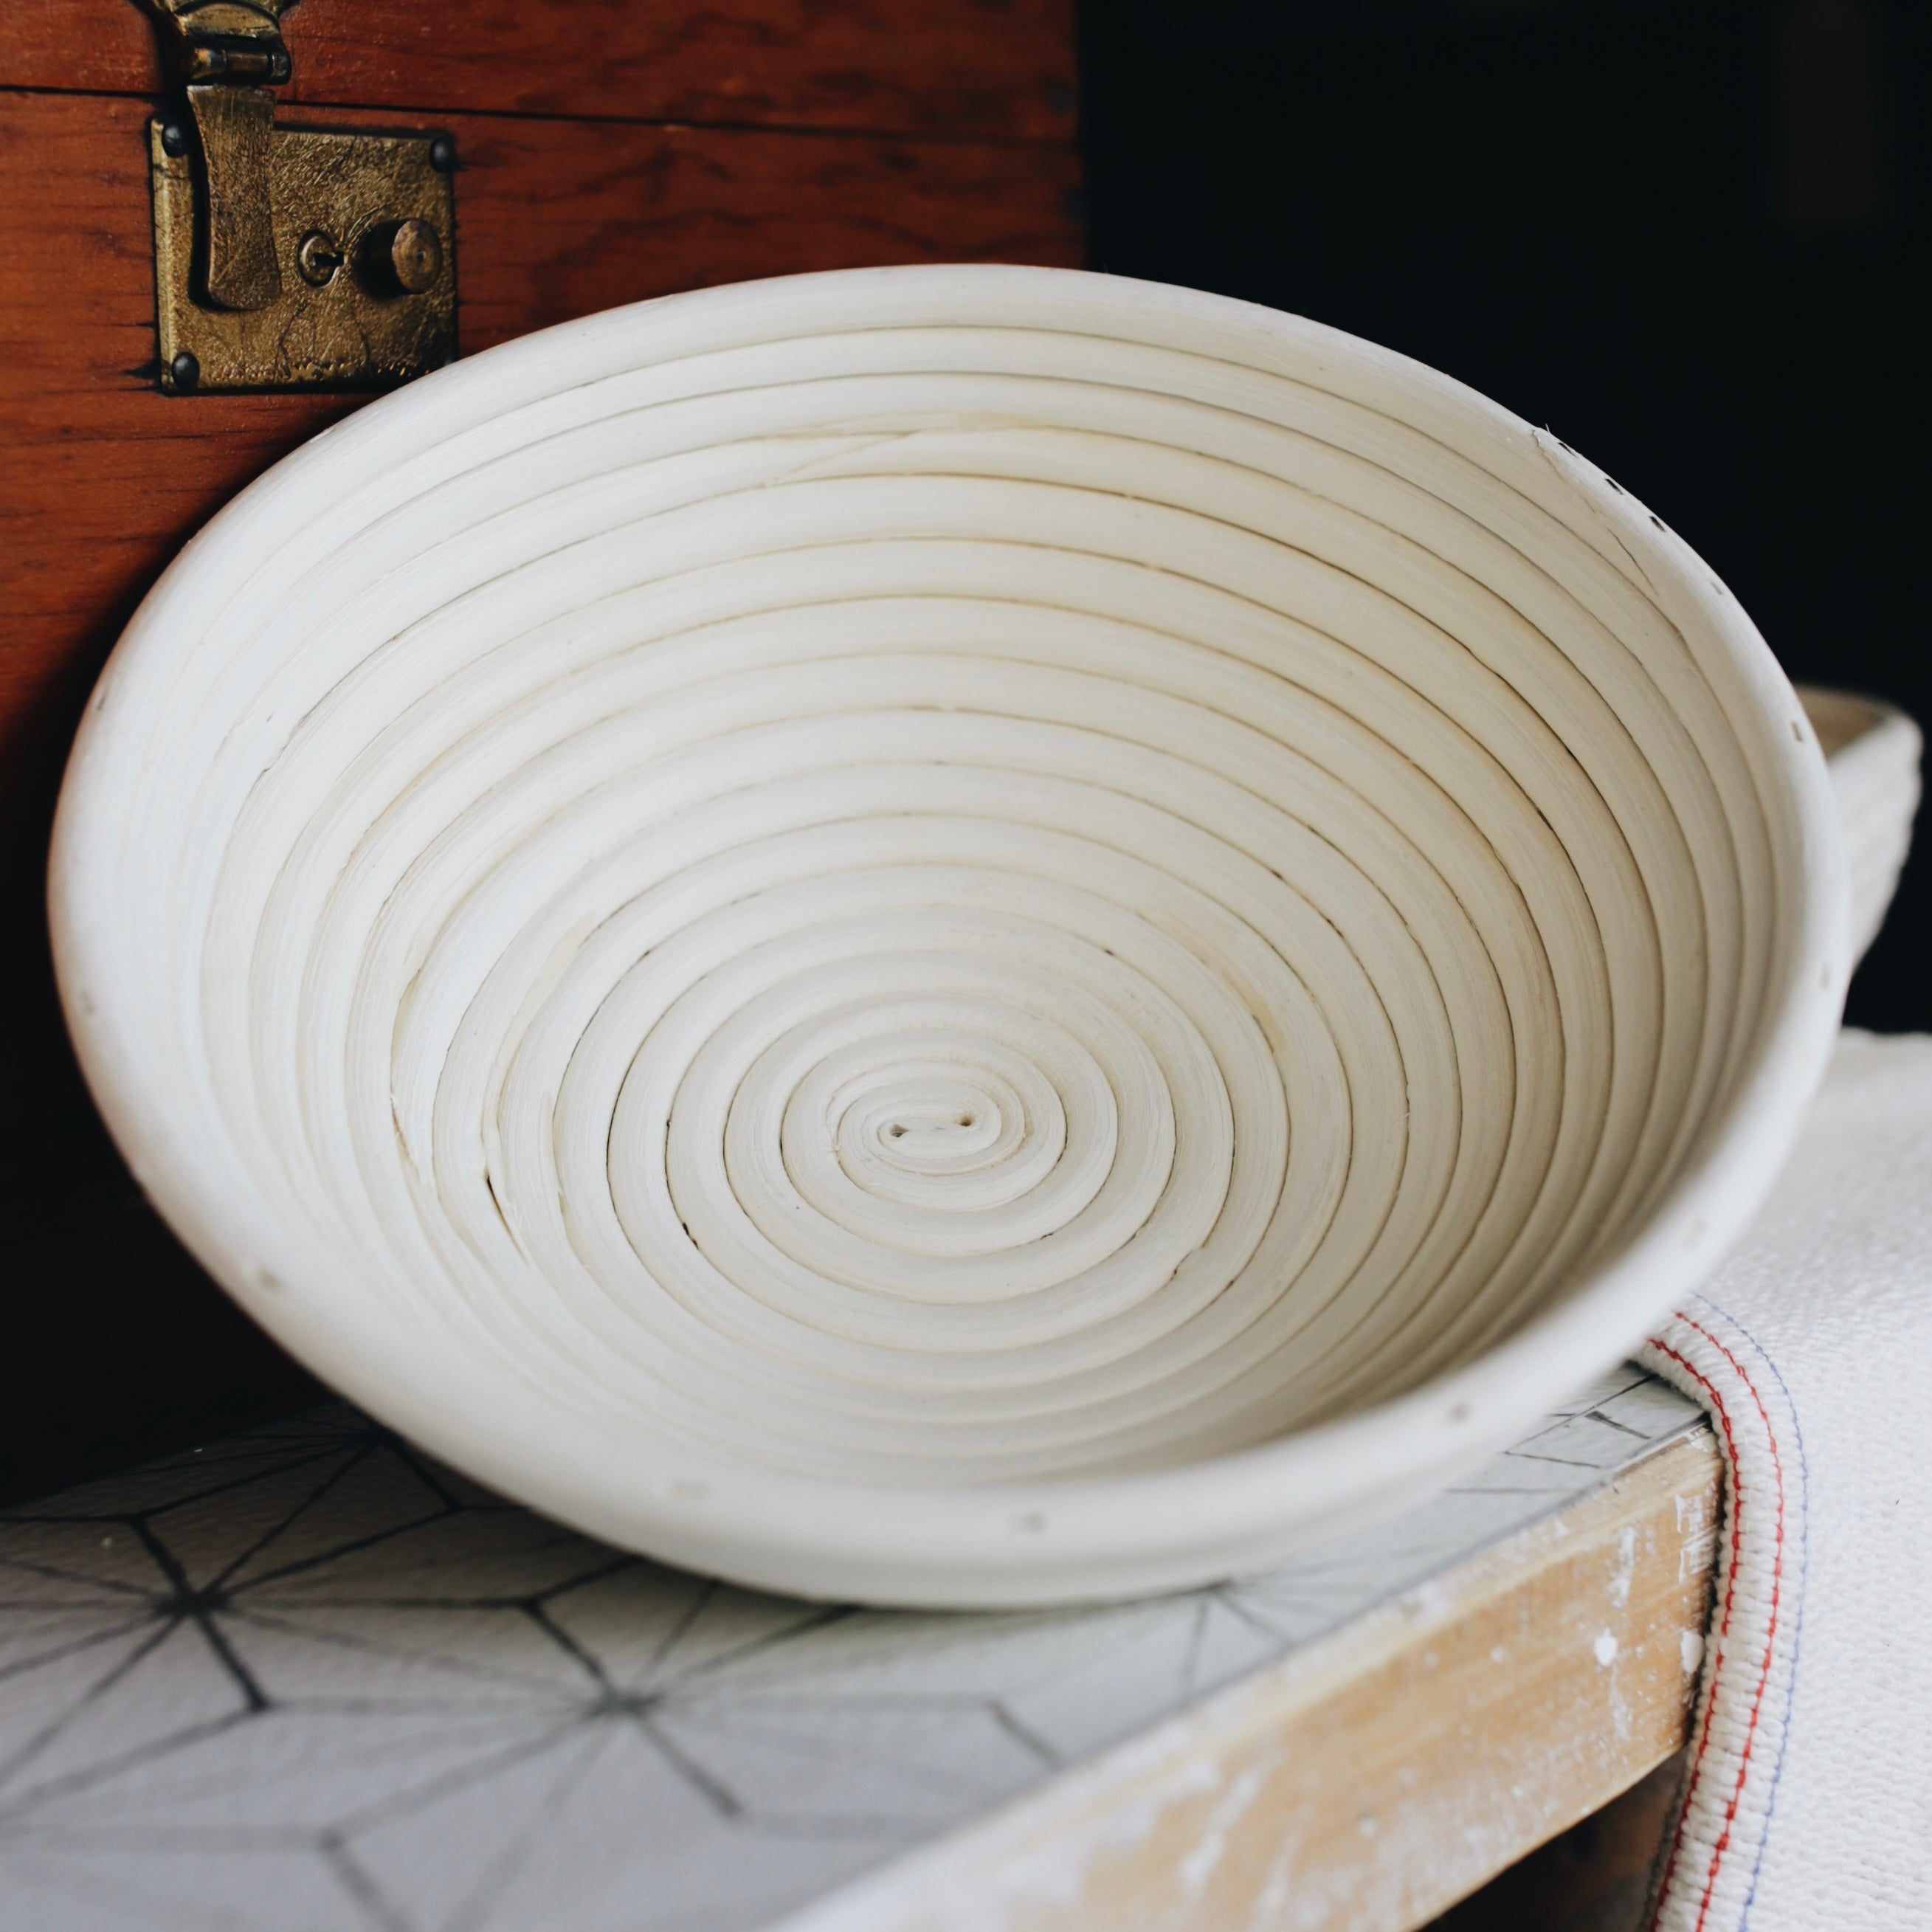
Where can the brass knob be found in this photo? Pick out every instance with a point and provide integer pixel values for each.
(398, 258)
(415, 253)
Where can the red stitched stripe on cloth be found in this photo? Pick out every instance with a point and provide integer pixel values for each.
(1704, 1382)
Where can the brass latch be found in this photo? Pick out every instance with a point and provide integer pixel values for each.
(289, 257)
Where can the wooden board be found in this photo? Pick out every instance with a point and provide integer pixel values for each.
(830, 133)
(1342, 1743)
(952, 69)
(1368, 1781)
(1594, 1878)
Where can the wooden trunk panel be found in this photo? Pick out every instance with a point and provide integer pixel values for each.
(955, 69)
(554, 219)
(1370, 1780)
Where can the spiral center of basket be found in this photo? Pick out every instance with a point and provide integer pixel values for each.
(929, 1126)
(943, 1142)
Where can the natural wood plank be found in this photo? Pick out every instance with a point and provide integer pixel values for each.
(1594, 1878)
(958, 69)
(1368, 1781)
(895, 1732)
(558, 219)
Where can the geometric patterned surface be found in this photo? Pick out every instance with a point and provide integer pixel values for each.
(306, 1679)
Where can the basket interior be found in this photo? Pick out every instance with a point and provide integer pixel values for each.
(961, 890)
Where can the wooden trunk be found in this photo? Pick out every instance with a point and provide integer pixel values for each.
(609, 150)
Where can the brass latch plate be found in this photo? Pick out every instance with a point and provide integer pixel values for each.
(365, 239)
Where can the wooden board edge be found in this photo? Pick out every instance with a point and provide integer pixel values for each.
(1375, 1776)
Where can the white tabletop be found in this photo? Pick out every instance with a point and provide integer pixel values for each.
(304, 1679)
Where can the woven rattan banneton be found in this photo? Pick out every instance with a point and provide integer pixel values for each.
(950, 935)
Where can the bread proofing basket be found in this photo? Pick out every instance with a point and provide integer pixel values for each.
(950, 935)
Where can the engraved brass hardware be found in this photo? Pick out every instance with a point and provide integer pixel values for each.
(317, 258)
(400, 258)
(236, 125)
(224, 52)
(288, 257)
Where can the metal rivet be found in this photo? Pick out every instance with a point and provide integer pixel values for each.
(442, 154)
(415, 255)
(317, 258)
(185, 370)
(174, 138)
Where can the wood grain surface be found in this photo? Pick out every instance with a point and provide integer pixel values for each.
(102, 478)
(1370, 1780)
(1595, 1877)
(954, 70)
(572, 196)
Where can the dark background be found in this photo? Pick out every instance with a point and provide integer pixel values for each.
(1683, 235)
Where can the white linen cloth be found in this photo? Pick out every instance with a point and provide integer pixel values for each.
(1807, 1805)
